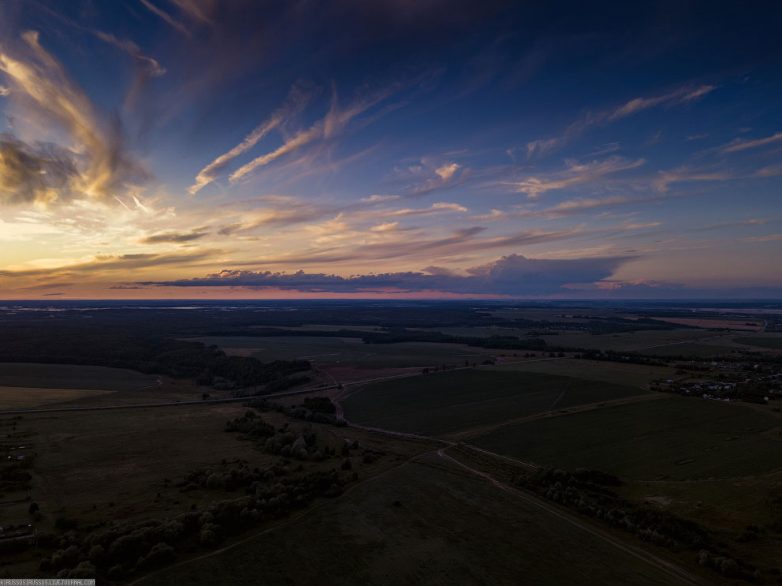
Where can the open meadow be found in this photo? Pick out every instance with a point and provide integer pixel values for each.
(671, 438)
(72, 376)
(456, 401)
(353, 351)
(426, 522)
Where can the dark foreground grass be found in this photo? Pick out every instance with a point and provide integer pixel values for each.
(459, 400)
(72, 376)
(774, 343)
(421, 524)
(675, 437)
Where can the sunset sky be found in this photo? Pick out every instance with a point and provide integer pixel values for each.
(390, 148)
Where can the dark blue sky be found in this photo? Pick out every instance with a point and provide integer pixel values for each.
(525, 149)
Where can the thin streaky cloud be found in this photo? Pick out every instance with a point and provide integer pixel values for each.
(296, 101)
(682, 95)
(575, 174)
(328, 127)
(151, 65)
(739, 145)
(166, 17)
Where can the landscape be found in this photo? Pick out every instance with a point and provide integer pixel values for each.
(390, 293)
(411, 440)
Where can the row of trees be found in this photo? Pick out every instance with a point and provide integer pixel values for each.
(592, 493)
(120, 550)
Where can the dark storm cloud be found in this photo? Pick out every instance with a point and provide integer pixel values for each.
(510, 275)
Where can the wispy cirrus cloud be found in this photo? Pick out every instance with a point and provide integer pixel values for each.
(175, 237)
(166, 17)
(113, 263)
(685, 174)
(296, 101)
(683, 95)
(741, 144)
(96, 165)
(329, 127)
(679, 96)
(575, 174)
(150, 65)
(435, 208)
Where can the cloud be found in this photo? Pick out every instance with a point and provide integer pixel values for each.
(512, 275)
(435, 208)
(766, 238)
(328, 128)
(682, 95)
(150, 65)
(166, 17)
(686, 174)
(575, 174)
(103, 166)
(542, 146)
(198, 10)
(739, 144)
(296, 101)
(106, 262)
(429, 175)
(34, 174)
(4, 91)
(379, 198)
(447, 171)
(175, 237)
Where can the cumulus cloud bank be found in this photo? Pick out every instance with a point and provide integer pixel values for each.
(513, 275)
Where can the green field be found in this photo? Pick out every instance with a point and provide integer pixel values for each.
(636, 375)
(676, 437)
(459, 400)
(445, 528)
(72, 376)
(774, 343)
(325, 350)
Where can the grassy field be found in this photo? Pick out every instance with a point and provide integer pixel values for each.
(636, 375)
(125, 465)
(421, 523)
(27, 397)
(629, 341)
(72, 376)
(772, 342)
(347, 350)
(459, 400)
(677, 438)
(693, 350)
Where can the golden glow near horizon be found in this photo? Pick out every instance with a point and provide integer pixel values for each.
(186, 157)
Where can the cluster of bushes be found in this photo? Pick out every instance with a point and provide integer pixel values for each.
(627, 357)
(120, 550)
(286, 382)
(590, 493)
(228, 476)
(14, 475)
(302, 445)
(727, 566)
(314, 409)
(250, 425)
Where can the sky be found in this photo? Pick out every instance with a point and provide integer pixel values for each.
(390, 149)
